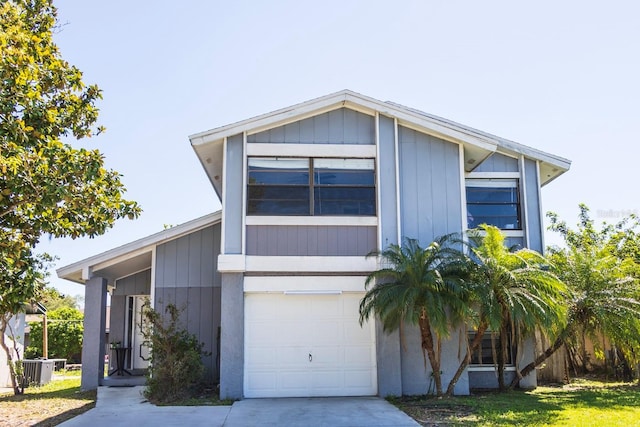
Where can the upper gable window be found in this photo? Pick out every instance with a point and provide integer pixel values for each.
(493, 202)
(304, 186)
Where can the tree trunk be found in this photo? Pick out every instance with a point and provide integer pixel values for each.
(537, 362)
(477, 340)
(429, 347)
(502, 354)
(12, 372)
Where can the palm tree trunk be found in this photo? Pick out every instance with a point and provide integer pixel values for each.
(429, 348)
(502, 357)
(477, 339)
(537, 362)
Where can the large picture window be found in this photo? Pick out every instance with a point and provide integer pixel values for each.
(494, 202)
(302, 186)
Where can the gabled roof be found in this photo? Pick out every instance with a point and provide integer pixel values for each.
(132, 257)
(478, 145)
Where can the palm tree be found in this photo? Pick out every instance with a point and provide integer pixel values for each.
(603, 292)
(419, 286)
(513, 294)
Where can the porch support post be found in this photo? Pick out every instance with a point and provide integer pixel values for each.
(93, 344)
(232, 336)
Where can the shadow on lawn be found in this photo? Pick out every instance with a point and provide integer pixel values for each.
(41, 407)
(64, 416)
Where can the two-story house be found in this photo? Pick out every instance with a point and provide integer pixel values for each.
(271, 283)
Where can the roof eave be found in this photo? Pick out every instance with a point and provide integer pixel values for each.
(79, 271)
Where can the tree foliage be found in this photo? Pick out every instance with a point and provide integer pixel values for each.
(65, 328)
(514, 293)
(601, 268)
(52, 299)
(47, 187)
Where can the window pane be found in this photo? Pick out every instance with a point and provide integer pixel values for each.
(492, 195)
(501, 216)
(494, 202)
(344, 172)
(344, 201)
(278, 200)
(278, 171)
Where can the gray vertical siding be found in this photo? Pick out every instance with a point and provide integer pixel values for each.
(292, 240)
(233, 195)
(498, 163)
(187, 276)
(191, 260)
(430, 198)
(387, 184)
(534, 222)
(388, 348)
(341, 126)
(136, 284)
(430, 202)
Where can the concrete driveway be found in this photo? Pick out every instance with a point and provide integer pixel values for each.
(123, 406)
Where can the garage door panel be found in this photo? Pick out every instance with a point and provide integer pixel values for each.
(326, 333)
(263, 381)
(286, 329)
(358, 355)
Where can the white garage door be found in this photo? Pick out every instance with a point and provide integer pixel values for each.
(307, 345)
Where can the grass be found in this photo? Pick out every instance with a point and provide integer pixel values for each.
(581, 403)
(48, 405)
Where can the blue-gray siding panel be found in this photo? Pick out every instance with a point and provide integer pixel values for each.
(387, 184)
(498, 163)
(136, 284)
(430, 188)
(292, 240)
(190, 260)
(341, 126)
(200, 316)
(233, 196)
(534, 222)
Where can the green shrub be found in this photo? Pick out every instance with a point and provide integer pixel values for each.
(65, 329)
(176, 370)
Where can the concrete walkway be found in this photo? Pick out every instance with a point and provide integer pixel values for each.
(123, 406)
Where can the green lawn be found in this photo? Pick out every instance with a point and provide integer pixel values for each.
(582, 403)
(48, 405)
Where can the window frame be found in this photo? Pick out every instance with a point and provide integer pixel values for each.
(311, 186)
(478, 353)
(495, 182)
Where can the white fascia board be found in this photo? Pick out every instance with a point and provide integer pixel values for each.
(272, 119)
(137, 247)
(310, 264)
(293, 284)
(312, 220)
(234, 263)
(311, 150)
(412, 118)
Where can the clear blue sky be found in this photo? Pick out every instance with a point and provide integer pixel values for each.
(560, 76)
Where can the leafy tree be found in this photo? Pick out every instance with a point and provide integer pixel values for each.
(65, 330)
(52, 299)
(420, 286)
(47, 187)
(513, 294)
(601, 269)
